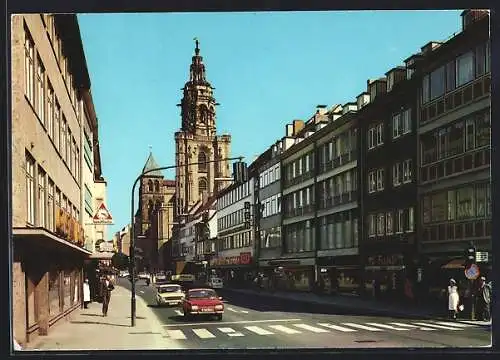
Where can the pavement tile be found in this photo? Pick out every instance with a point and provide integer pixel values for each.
(87, 329)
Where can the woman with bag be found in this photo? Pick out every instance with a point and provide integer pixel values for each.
(453, 299)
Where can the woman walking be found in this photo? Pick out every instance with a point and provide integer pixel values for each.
(453, 299)
(86, 293)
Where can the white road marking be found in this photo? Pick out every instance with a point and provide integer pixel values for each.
(141, 291)
(203, 333)
(437, 326)
(311, 328)
(230, 332)
(244, 311)
(459, 325)
(337, 327)
(231, 309)
(284, 329)
(258, 330)
(176, 334)
(362, 327)
(233, 322)
(178, 312)
(412, 326)
(385, 326)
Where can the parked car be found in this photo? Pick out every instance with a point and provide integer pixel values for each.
(169, 294)
(202, 301)
(160, 276)
(215, 283)
(124, 273)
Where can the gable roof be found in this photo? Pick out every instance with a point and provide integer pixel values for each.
(151, 164)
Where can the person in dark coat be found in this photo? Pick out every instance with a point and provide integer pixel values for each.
(106, 288)
(483, 300)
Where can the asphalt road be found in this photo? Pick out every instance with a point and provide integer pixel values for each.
(259, 322)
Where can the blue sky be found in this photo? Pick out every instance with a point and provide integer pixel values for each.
(267, 69)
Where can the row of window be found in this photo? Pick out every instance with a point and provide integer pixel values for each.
(269, 176)
(337, 185)
(466, 134)
(235, 241)
(270, 238)
(300, 237)
(459, 71)
(230, 220)
(299, 199)
(235, 195)
(338, 231)
(271, 205)
(391, 222)
(339, 146)
(46, 105)
(468, 202)
(43, 196)
(301, 166)
(153, 186)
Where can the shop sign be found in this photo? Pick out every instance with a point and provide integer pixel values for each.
(385, 260)
(241, 259)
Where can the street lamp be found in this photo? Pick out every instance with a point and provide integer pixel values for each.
(132, 227)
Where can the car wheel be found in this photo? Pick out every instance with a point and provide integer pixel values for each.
(219, 317)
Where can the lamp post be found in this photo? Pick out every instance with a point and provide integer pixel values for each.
(132, 226)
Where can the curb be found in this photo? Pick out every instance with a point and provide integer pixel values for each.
(365, 311)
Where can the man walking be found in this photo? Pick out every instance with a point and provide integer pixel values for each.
(106, 288)
(483, 300)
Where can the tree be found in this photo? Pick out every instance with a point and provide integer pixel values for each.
(120, 261)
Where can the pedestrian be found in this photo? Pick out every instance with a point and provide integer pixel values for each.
(86, 293)
(453, 299)
(106, 288)
(483, 300)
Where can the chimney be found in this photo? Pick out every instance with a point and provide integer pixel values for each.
(297, 126)
(430, 46)
(470, 16)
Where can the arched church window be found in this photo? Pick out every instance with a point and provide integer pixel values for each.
(204, 114)
(202, 186)
(202, 158)
(157, 186)
(150, 186)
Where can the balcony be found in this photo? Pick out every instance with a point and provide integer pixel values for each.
(68, 228)
(299, 179)
(452, 231)
(338, 161)
(300, 211)
(462, 96)
(337, 200)
(461, 164)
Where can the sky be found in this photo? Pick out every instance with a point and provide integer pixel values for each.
(268, 68)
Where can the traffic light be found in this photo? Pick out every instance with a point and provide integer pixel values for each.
(470, 255)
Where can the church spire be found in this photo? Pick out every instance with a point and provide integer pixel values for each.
(197, 69)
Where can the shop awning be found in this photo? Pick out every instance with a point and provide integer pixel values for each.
(454, 264)
(102, 255)
(43, 235)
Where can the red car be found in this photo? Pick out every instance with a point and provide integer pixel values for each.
(202, 301)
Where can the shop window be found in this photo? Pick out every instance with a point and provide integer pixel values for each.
(66, 289)
(54, 291)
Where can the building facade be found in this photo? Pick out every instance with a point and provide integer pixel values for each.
(49, 85)
(454, 146)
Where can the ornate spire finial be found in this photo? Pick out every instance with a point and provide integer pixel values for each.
(150, 149)
(197, 49)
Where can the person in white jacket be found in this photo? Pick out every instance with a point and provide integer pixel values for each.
(86, 293)
(453, 298)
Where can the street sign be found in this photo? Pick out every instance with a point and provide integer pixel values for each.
(482, 256)
(472, 272)
(102, 216)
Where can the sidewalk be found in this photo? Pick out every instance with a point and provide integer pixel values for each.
(89, 330)
(354, 303)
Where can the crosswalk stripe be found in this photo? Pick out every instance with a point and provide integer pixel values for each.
(178, 312)
(437, 326)
(230, 332)
(176, 334)
(311, 328)
(203, 333)
(284, 329)
(412, 326)
(362, 327)
(231, 309)
(337, 327)
(460, 325)
(385, 326)
(258, 330)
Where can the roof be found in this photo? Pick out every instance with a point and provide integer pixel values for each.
(151, 164)
(169, 182)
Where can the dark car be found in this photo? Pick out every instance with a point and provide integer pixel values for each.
(202, 301)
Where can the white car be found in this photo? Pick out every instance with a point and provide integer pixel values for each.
(215, 283)
(169, 294)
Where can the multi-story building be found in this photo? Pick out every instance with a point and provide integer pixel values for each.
(388, 180)
(235, 251)
(49, 79)
(454, 134)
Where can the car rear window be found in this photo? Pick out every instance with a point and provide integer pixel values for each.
(202, 294)
(167, 289)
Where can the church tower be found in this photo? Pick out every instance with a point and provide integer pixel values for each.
(197, 141)
(150, 193)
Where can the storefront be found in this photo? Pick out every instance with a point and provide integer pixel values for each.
(387, 276)
(236, 269)
(340, 274)
(47, 281)
(289, 274)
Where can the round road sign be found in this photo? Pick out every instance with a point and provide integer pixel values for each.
(472, 272)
